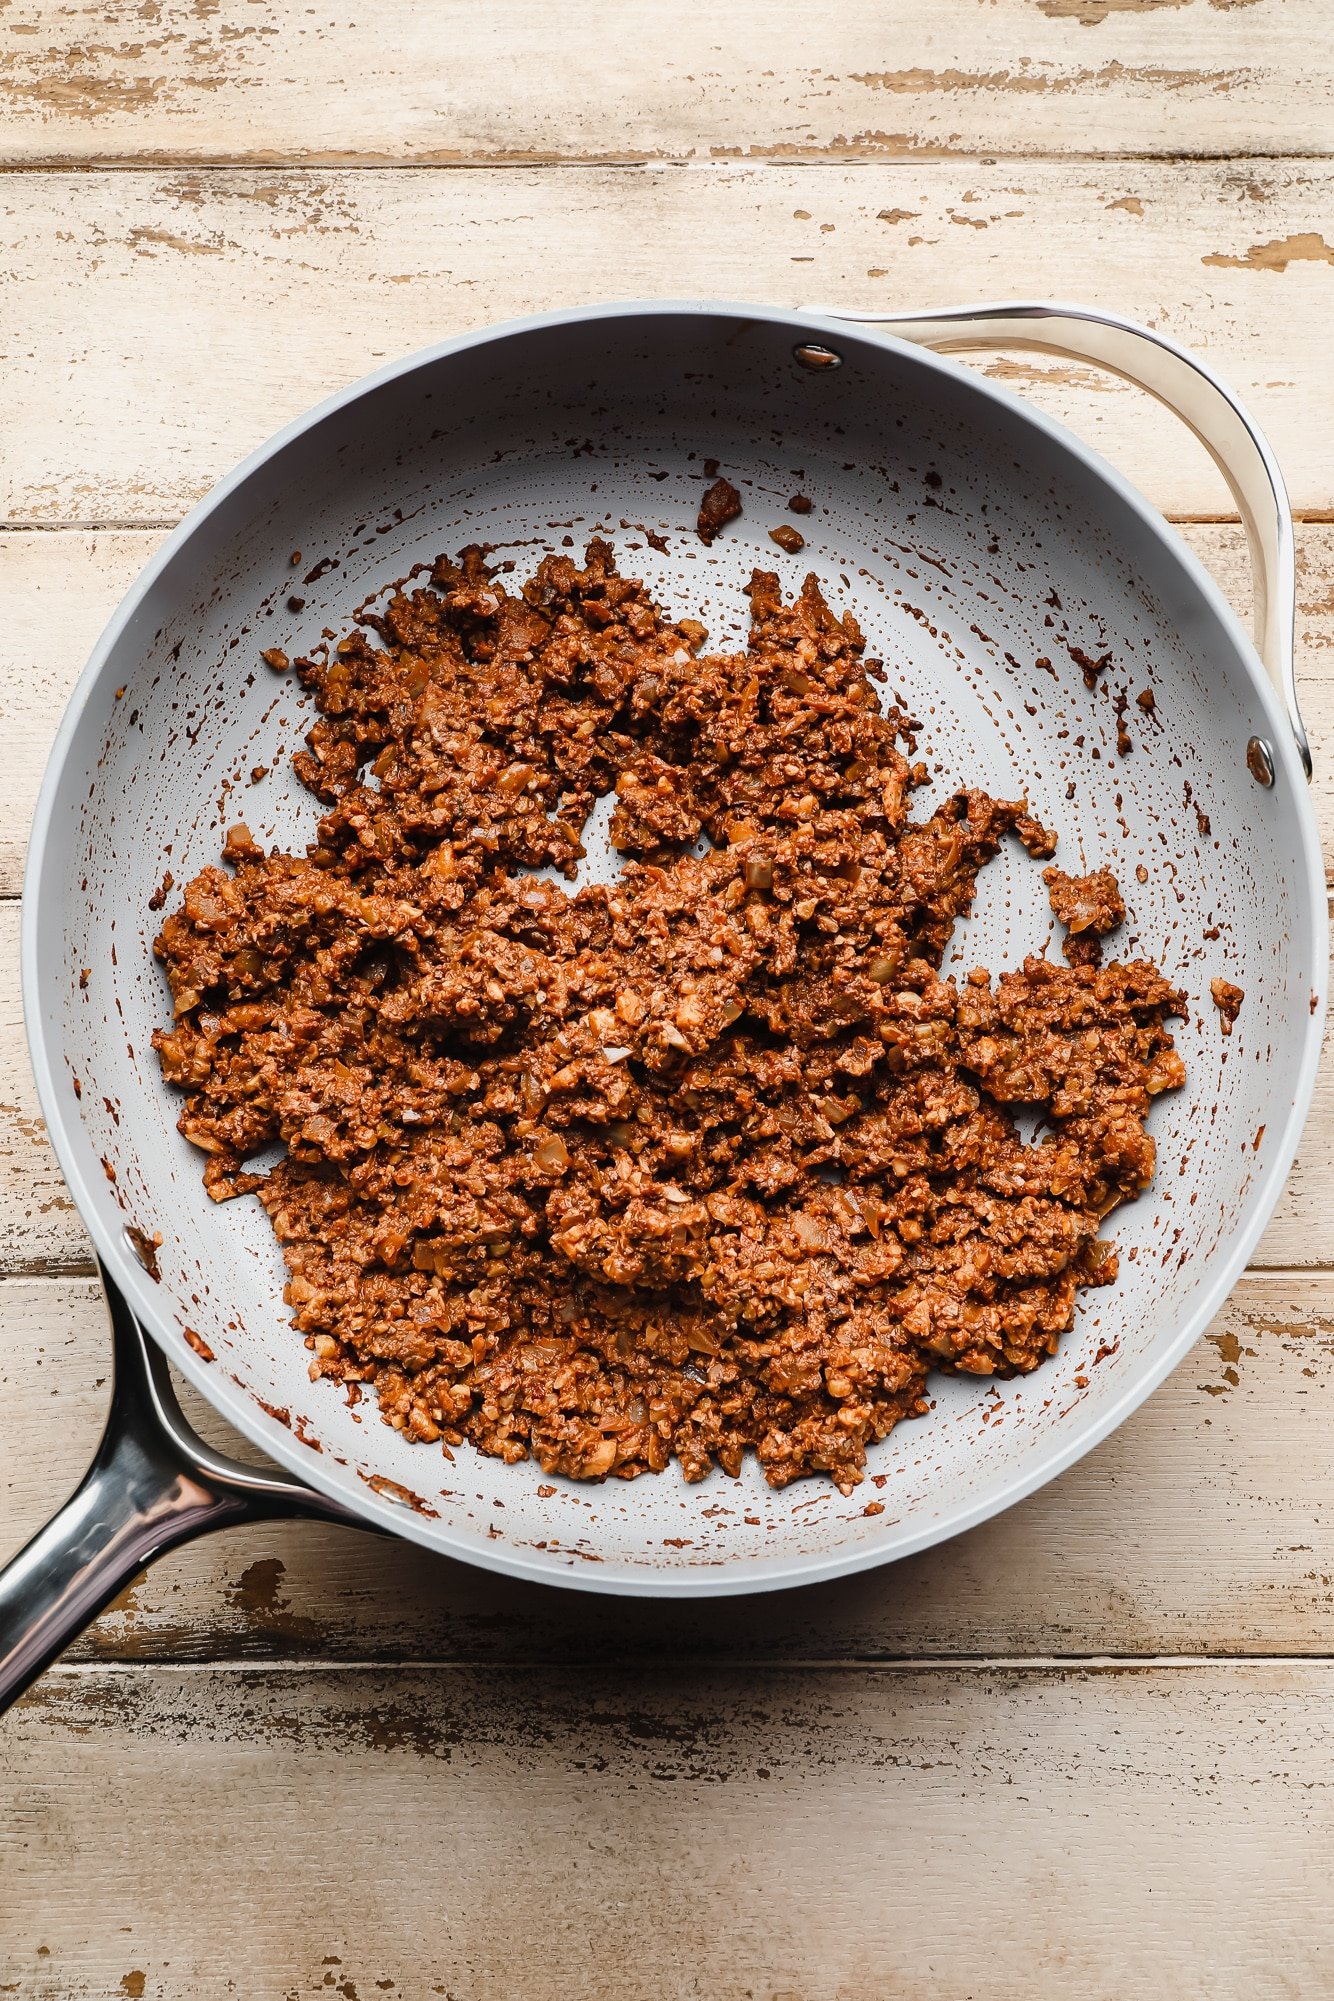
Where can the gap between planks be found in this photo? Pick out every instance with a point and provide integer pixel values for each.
(945, 157)
(1085, 1665)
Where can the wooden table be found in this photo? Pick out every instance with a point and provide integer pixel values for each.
(1086, 1751)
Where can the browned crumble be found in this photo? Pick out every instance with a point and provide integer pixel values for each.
(721, 504)
(1125, 743)
(788, 538)
(1089, 906)
(706, 1159)
(1227, 999)
(146, 1249)
(1088, 666)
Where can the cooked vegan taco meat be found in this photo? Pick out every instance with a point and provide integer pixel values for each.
(707, 1159)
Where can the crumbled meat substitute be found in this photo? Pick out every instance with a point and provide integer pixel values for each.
(721, 504)
(707, 1159)
(1089, 906)
(1227, 999)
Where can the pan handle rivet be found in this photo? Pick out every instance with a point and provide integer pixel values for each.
(1260, 761)
(808, 354)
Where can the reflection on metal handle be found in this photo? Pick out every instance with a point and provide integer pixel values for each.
(152, 1484)
(1194, 394)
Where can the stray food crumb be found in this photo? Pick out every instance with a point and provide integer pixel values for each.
(1040, 841)
(241, 845)
(273, 656)
(146, 1249)
(721, 504)
(788, 538)
(1089, 906)
(1088, 666)
(800, 503)
(1228, 1000)
(1125, 743)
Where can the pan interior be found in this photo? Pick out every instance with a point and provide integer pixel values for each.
(970, 543)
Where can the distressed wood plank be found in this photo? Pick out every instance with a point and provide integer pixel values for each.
(39, 1226)
(1203, 1525)
(706, 1828)
(227, 80)
(57, 591)
(165, 323)
(654, 1831)
(58, 588)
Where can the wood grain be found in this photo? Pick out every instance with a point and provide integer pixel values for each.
(158, 325)
(517, 81)
(657, 1830)
(1203, 1526)
(40, 1228)
(887, 1786)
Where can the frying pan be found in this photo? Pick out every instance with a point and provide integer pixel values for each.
(972, 538)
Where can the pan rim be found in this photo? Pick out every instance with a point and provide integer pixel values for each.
(743, 1574)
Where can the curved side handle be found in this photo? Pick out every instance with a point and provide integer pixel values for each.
(153, 1484)
(1193, 393)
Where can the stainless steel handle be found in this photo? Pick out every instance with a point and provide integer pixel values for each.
(1193, 393)
(153, 1484)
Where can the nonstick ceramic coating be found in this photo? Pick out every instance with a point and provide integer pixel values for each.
(971, 538)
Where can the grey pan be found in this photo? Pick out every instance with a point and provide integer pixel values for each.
(971, 537)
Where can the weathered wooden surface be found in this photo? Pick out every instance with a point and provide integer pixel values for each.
(1204, 1526)
(297, 1761)
(660, 1830)
(519, 81)
(161, 324)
